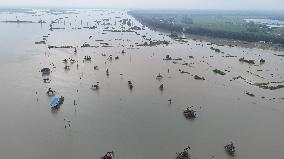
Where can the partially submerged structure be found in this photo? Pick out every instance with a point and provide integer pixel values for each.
(230, 149)
(45, 71)
(130, 85)
(161, 87)
(189, 113)
(67, 67)
(50, 92)
(184, 154)
(159, 76)
(108, 155)
(95, 86)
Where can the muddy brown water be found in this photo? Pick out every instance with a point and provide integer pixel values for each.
(137, 123)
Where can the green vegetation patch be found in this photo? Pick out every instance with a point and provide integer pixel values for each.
(213, 24)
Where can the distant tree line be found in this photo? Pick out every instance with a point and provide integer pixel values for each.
(243, 36)
(253, 34)
(277, 17)
(159, 23)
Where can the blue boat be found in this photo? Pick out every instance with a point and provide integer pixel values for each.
(56, 102)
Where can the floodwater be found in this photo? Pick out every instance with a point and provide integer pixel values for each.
(138, 123)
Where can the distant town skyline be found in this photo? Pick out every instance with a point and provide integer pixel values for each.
(154, 4)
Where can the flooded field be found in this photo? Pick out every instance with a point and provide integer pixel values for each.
(237, 92)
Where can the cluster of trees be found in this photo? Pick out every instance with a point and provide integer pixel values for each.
(186, 19)
(244, 36)
(277, 17)
(161, 23)
(254, 32)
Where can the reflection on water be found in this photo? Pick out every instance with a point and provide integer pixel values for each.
(135, 123)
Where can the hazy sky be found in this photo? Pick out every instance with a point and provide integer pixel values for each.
(184, 4)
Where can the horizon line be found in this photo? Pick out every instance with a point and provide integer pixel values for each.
(131, 8)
